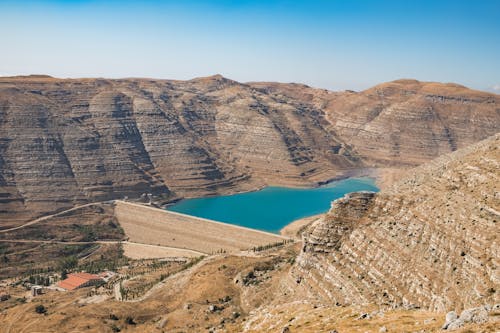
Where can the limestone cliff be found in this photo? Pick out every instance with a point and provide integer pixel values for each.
(431, 240)
(64, 142)
(404, 121)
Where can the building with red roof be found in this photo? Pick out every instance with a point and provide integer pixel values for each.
(79, 280)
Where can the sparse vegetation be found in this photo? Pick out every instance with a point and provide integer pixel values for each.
(40, 309)
(192, 262)
(48, 258)
(68, 263)
(130, 321)
(148, 273)
(272, 245)
(39, 279)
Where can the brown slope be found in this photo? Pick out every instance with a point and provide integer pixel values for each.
(412, 122)
(68, 141)
(404, 122)
(429, 241)
(77, 140)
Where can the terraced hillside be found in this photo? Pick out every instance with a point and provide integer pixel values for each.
(403, 122)
(65, 142)
(374, 263)
(68, 142)
(431, 240)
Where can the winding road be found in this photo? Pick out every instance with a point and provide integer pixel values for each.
(46, 217)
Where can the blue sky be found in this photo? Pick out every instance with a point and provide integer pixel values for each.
(337, 44)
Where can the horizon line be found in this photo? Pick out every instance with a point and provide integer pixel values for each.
(398, 80)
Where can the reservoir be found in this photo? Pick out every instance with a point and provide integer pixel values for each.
(271, 208)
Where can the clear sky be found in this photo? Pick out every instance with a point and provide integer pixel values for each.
(336, 44)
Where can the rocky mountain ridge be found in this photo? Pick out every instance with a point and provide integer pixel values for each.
(429, 241)
(374, 263)
(70, 141)
(403, 121)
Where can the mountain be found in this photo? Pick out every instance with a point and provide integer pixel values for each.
(429, 241)
(404, 121)
(65, 142)
(374, 263)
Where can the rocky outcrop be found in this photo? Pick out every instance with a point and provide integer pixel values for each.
(477, 315)
(64, 142)
(345, 215)
(430, 241)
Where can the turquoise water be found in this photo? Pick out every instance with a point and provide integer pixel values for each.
(271, 208)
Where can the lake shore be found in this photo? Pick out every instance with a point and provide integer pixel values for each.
(295, 228)
(373, 173)
(271, 208)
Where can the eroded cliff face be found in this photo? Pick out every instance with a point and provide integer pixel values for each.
(431, 240)
(345, 215)
(64, 142)
(404, 122)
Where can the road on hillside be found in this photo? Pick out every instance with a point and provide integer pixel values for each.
(46, 217)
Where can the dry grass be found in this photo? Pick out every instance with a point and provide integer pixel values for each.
(183, 300)
(385, 177)
(305, 317)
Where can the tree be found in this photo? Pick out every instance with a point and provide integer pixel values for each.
(40, 309)
(69, 262)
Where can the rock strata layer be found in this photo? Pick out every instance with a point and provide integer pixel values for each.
(429, 241)
(403, 122)
(65, 142)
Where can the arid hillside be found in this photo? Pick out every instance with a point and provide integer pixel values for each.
(395, 261)
(429, 241)
(105, 233)
(404, 121)
(65, 142)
